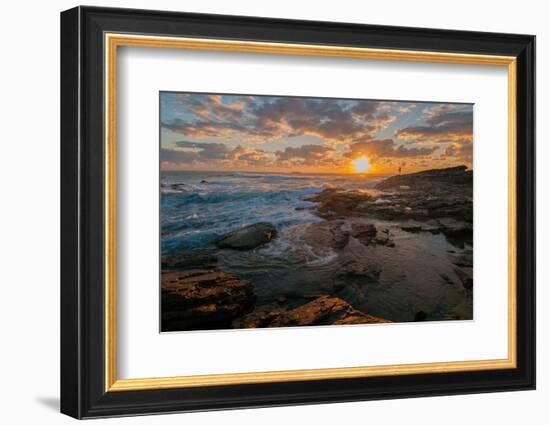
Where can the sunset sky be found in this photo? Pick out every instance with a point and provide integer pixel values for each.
(311, 135)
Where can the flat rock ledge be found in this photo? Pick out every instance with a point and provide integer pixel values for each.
(203, 299)
(438, 201)
(336, 235)
(248, 237)
(324, 310)
(459, 175)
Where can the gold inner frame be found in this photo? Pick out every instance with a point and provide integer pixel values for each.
(113, 41)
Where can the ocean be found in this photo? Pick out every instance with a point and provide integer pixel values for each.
(194, 213)
(198, 207)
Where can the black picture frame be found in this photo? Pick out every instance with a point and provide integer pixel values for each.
(83, 392)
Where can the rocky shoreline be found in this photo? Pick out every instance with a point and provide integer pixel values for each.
(198, 293)
(439, 200)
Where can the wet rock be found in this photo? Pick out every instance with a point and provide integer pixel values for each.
(334, 203)
(417, 228)
(411, 229)
(466, 277)
(420, 316)
(446, 279)
(326, 234)
(385, 238)
(324, 310)
(465, 259)
(178, 186)
(433, 230)
(203, 299)
(358, 262)
(457, 232)
(453, 316)
(455, 228)
(260, 317)
(190, 259)
(335, 234)
(430, 195)
(357, 268)
(248, 237)
(369, 235)
(338, 286)
(281, 299)
(303, 208)
(365, 233)
(444, 176)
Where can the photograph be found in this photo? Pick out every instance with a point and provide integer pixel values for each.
(280, 210)
(284, 211)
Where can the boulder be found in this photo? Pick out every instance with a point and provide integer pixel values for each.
(365, 233)
(335, 203)
(351, 266)
(326, 234)
(248, 237)
(260, 317)
(457, 232)
(324, 310)
(203, 299)
(335, 234)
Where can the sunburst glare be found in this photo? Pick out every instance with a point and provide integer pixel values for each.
(361, 164)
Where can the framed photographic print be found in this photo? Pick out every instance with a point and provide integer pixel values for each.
(261, 212)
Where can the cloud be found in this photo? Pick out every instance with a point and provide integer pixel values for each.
(175, 156)
(386, 148)
(387, 132)
(219, 153)
(261, 119)
(442, 108)
(400, 107)
(461, 151)
(441, 124)
(194, 152)
(210, 106)
(250, 156)
(306, 155)
(205, 150)
(447, 126)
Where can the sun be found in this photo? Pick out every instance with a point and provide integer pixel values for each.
(361, 164)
